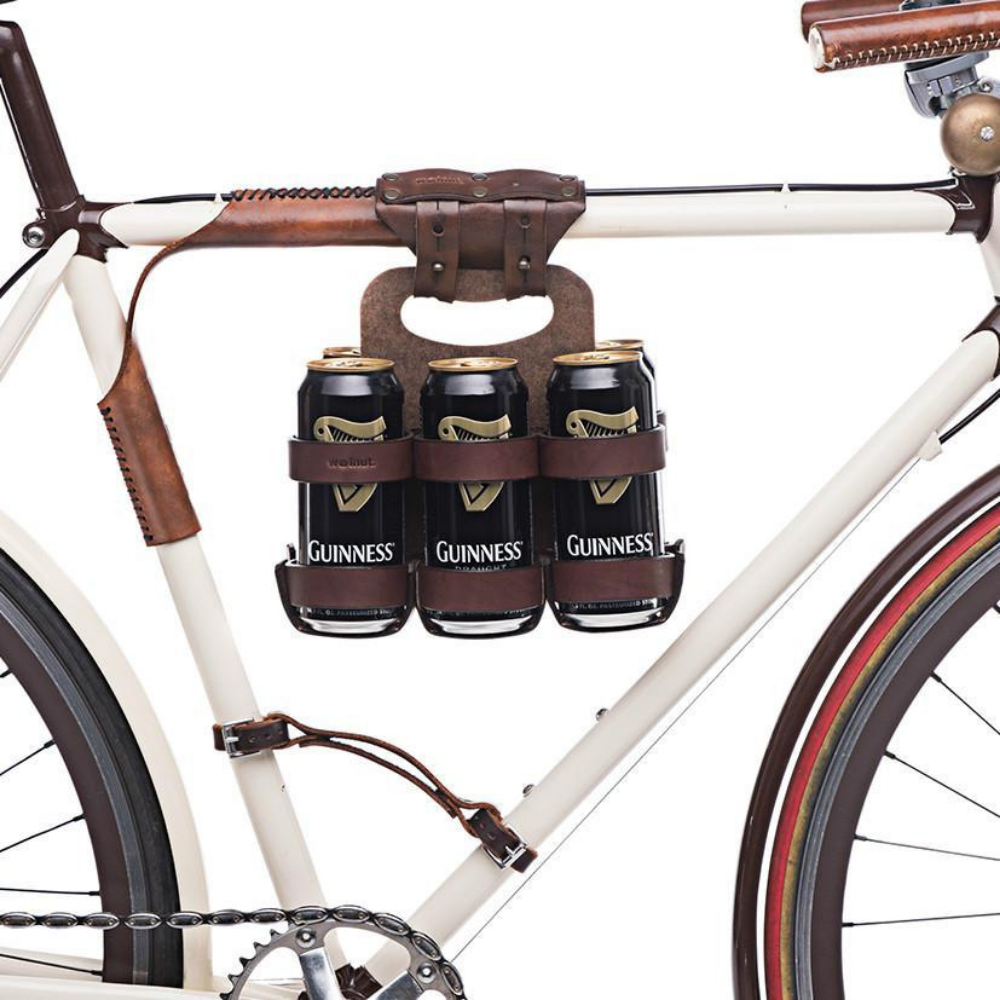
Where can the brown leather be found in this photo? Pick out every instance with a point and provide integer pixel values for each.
(928, 33)
(587, 581)
(295, 218)
(146, 456)
(603, 458)
(253, 737)
(835, 10)
(486, 824)
(475, 461)
(510, 221)
(364, 462)
(460, 590)
(347, 587)
(384, 335)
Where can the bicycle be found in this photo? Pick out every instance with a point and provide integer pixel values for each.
(893, 641)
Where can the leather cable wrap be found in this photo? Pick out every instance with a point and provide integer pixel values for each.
(509, 221)
(274, 732)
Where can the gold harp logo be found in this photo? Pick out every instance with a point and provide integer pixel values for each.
(591, 424)
(350, 497)
(477, 497)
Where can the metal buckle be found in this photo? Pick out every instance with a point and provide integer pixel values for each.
(512, 853)
(231, 739)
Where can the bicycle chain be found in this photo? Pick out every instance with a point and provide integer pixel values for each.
(182, 920)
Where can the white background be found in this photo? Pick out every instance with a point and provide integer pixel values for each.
(776, 361)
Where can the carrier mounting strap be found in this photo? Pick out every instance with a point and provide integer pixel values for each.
(510, 221)
(481, 820)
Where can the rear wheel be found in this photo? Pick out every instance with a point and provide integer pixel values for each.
(886, 864)
(81, 829)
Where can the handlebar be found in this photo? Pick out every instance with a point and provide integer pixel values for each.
(906, 36)
(836, 10)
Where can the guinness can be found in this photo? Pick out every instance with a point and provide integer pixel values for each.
(341, 352)
(631, 345)
(605, 394)
(344, 401)
(477, 527)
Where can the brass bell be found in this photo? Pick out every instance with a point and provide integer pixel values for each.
(970, 135)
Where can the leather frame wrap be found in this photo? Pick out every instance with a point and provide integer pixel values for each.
(353, 464)
(452, 590)
(145, 455)
(473, 462)
(587, 581)
(639, 454)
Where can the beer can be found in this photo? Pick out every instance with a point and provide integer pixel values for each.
(477, 527)
(344, 401)
(606, 394)
(341, 352)
(631, 345)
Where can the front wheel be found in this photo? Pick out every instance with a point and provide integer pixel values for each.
(81, 829)
(885, 873)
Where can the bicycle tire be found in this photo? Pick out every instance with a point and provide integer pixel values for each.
(123, 818)
(842, 751)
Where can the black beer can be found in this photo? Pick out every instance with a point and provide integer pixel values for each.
(344, 401)
(631, 345)
(477, 527)
(606, 394)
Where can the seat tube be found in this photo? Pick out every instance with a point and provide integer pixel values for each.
(209, 635)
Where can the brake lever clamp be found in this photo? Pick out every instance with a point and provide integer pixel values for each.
(934, 87)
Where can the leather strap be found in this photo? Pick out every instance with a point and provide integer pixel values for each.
(475, 461)
(589, 581)
(603, 458)
(465, 590)
(274, 732)
(357, 463)
(509, 221)
(350, 588)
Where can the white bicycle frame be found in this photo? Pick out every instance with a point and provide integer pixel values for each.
(912, 433)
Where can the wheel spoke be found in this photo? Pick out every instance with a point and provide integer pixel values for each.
(27, 757)
(50, 965)
(921, 920)
(41, 833)
(979, 715)
(943, 784)
(52, 892)
(921, 847)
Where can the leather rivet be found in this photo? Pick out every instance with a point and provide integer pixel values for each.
(438, 229)
(390, 177)
(524, 264)
(480, 192)
(568, 191)
(480, 177)
(437, 267)
(566, 178)
(391, 194)
(525, 221)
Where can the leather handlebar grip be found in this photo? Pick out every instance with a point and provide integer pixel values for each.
(836, 10)
(906, 36)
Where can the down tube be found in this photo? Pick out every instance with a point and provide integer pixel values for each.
(708, 638)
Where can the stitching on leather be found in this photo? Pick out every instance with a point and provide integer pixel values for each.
(302, 194)
(126, 471)
(954, 46)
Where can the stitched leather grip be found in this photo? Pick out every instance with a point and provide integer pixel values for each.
(603, 458)
(461, 590)
(475, 461)
(906, 36)
(356, 463)
(836, 10)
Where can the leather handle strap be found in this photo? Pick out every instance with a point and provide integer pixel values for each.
(275, 732)
(497, 591)
(356, 463)
(475, 461)
(906, 36)
(350, 588)
(603, 458)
